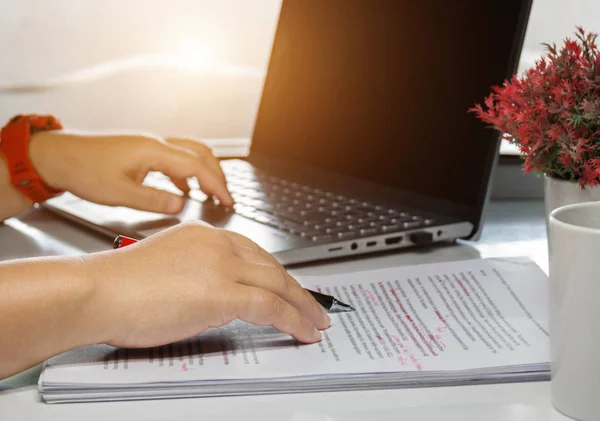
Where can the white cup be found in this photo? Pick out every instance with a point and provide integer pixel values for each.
(574, 249)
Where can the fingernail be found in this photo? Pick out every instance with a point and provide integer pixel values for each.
(317, 336)
(174, 204)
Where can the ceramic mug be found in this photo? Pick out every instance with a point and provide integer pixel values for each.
(574, 250)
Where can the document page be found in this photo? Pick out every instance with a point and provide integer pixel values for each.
(427, 318)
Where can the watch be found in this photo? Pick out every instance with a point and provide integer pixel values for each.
(14, 146)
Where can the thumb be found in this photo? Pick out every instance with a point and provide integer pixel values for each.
(138, 196)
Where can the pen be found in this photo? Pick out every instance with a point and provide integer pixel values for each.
(330, 303)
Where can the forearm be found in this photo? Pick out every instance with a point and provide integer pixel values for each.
(47, 306)
(11, 201)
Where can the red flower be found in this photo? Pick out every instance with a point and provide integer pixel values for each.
(552, 111)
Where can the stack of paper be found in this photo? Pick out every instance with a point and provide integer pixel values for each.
(427, 325)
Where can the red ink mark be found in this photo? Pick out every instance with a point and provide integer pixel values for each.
(355, 293)
(380, 338)
(433, 338)
(393, 291)
(460, 282)
(318, 288)
(409, 318)
(398, 341)
(408, 356)
(371, 298)
(439, 316)
(184, 367)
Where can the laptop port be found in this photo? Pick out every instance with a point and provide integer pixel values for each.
(393, 240)
(335, 249)
(354, 246)
(371, 243)
(421, 238)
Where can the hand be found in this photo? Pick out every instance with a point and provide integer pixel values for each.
(110, 169)
(184, 280)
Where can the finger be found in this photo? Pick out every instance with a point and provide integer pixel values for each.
(181, 184)
(176, 162)
(203, 152)
(264, 308)
(138, 196)
(289, 289)
(257, 271)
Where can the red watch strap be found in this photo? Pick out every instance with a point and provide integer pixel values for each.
(14, 146)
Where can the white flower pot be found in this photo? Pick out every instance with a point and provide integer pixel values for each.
(559, 193)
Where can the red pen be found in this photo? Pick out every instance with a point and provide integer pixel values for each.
(122, 241)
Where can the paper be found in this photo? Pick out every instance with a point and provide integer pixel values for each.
(457, 316)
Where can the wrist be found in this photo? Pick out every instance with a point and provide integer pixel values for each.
(104, 301)
(44, 153)
(90, 324)
(13, 202)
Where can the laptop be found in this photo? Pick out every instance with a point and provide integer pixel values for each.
(362, 141)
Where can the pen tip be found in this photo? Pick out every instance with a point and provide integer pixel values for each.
(346, 307)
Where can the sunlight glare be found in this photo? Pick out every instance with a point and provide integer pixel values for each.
(193, 57)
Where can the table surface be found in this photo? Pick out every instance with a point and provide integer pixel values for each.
(511, 229)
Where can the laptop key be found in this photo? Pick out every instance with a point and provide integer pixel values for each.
(324, 226)
(246, 212)
(197, 195)
(368, 231)
(367, 220)
(311, 215)
(390, 228)
(288, 213)
(252, 185)
(353, 214)
(310, 234)
(335, 230)
(357, 227)
(255, 194)
(346, 235)
(398, 220)
(319, 238)
(413, 224)
(287, 225)
(266, 219)
(267, 207)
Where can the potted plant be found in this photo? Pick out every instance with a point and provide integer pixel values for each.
(552, 113)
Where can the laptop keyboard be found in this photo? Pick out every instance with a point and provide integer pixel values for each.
(308, 212)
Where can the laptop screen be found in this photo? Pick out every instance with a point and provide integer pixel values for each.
(379, 90)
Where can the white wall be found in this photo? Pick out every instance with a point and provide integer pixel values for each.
(41, 39)
(553, 20)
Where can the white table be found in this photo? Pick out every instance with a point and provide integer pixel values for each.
(512, 228)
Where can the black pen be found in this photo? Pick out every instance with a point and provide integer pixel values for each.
(328, 302)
